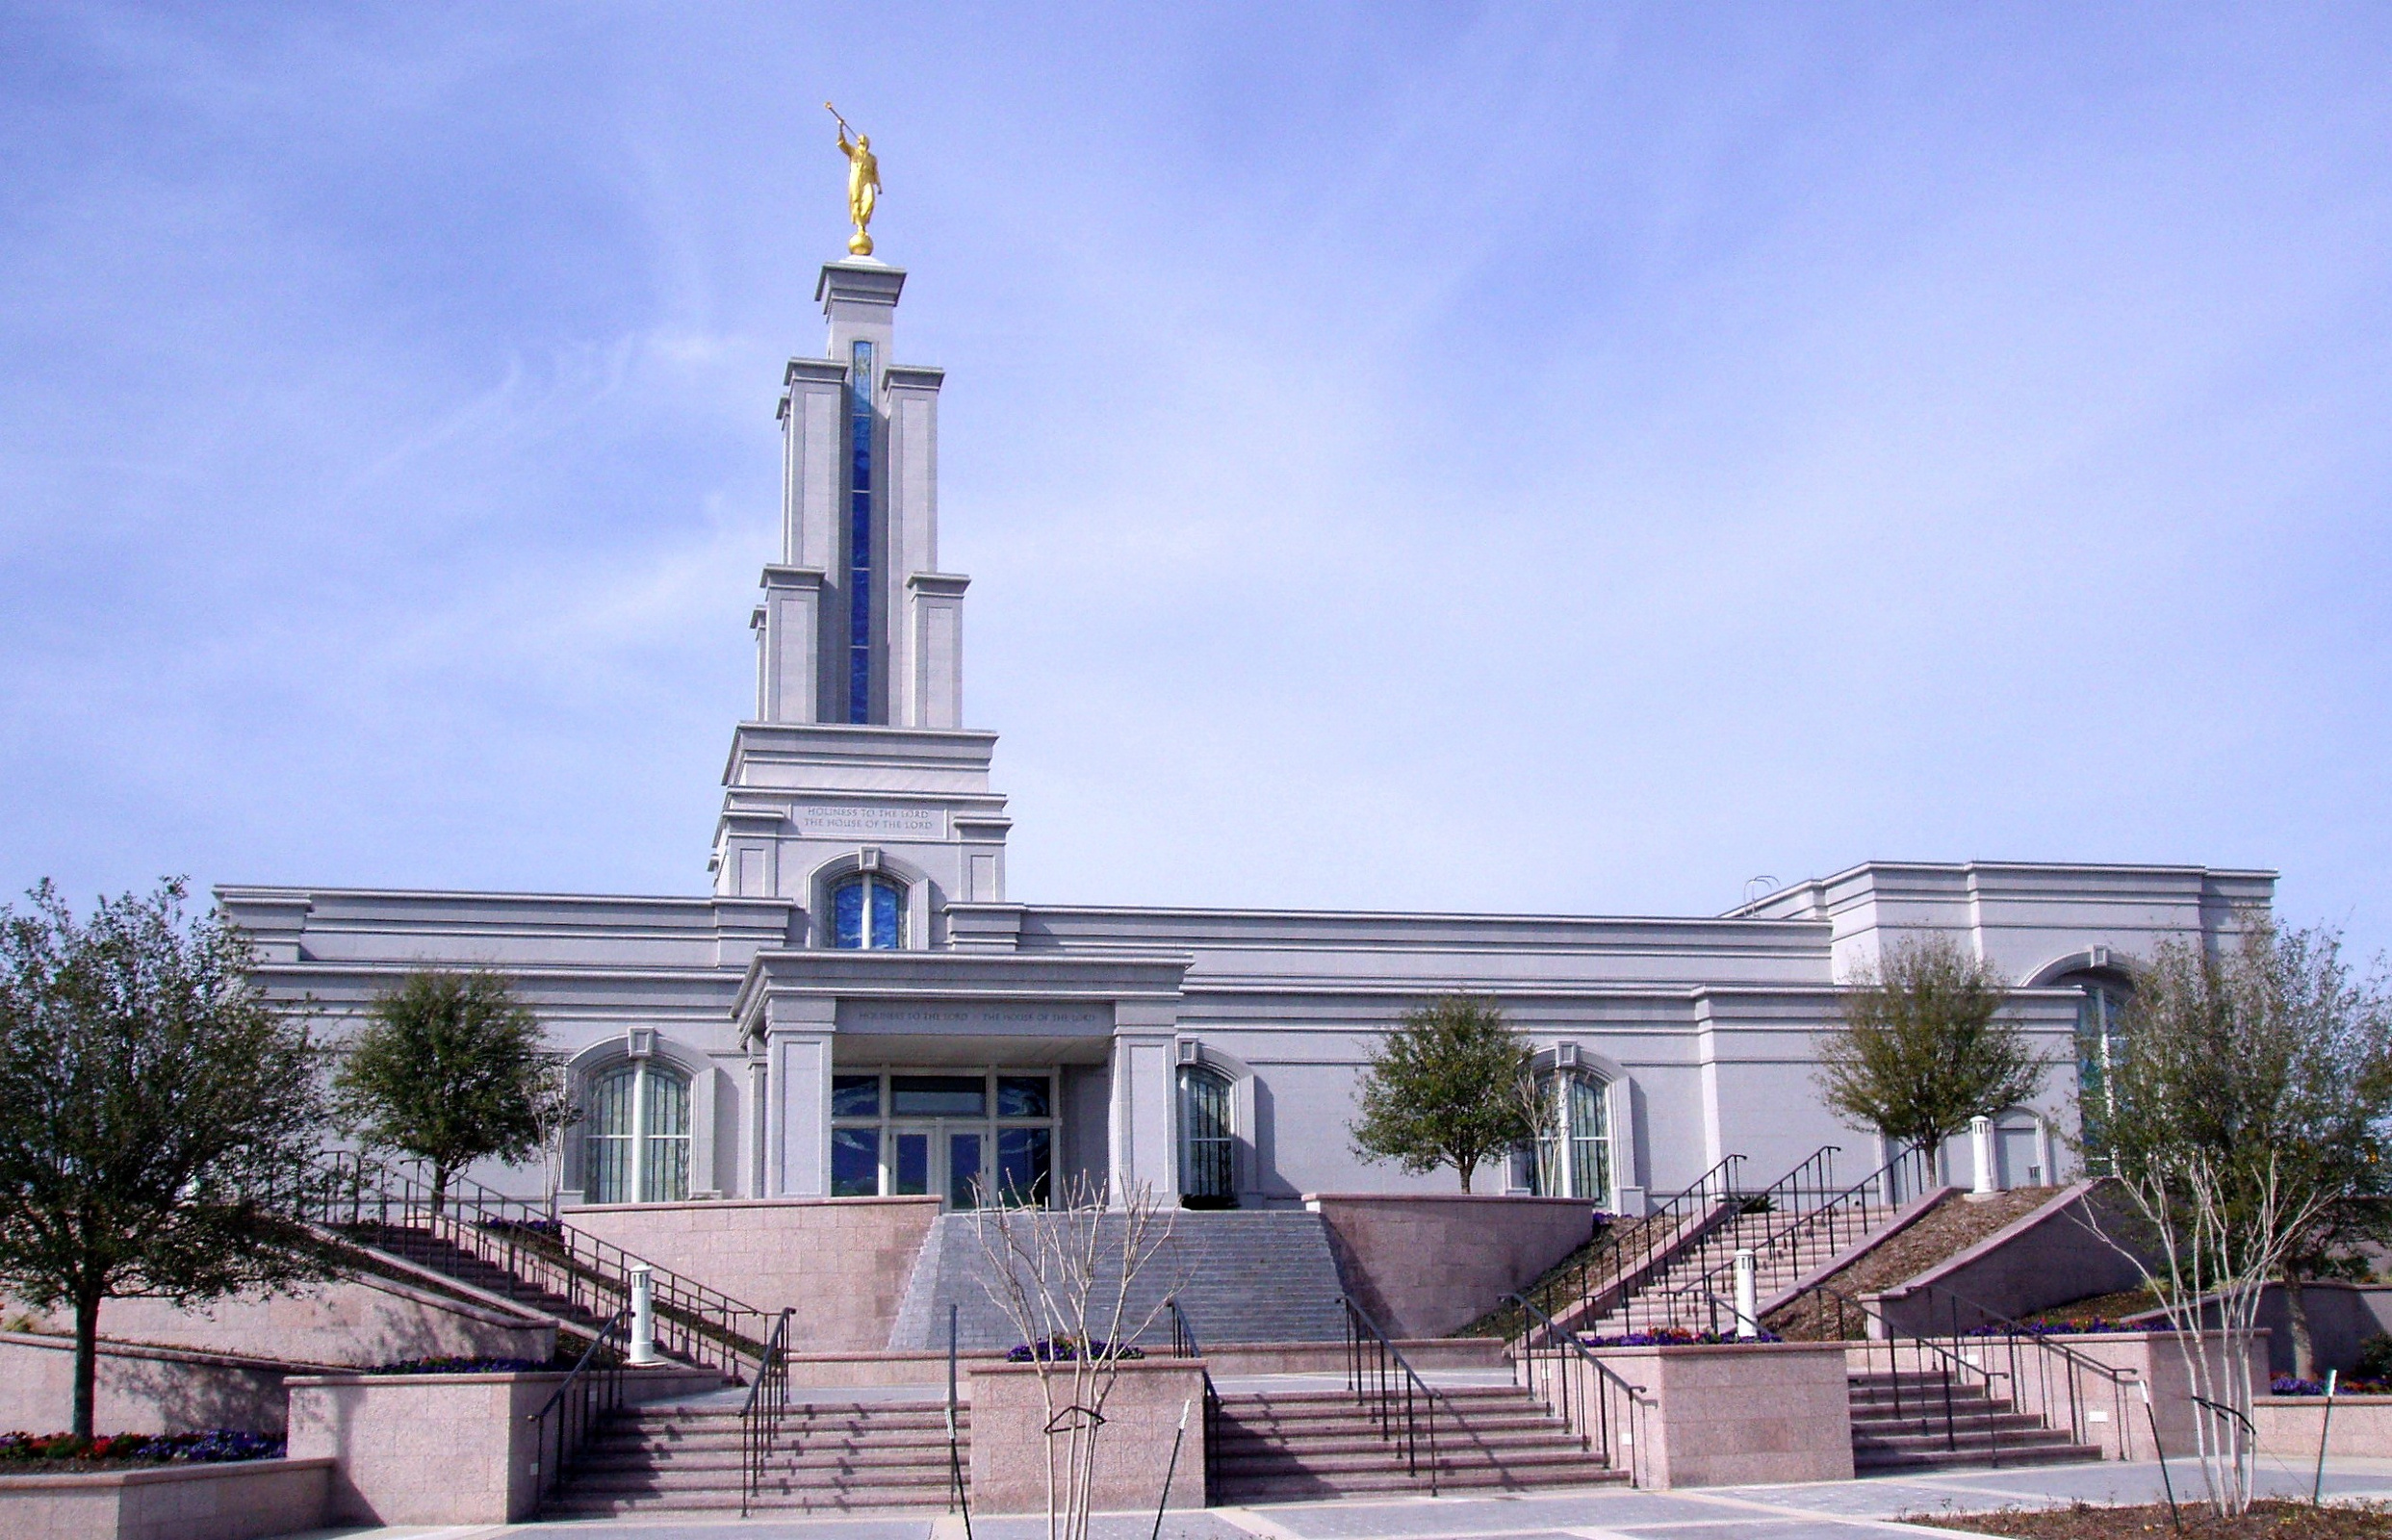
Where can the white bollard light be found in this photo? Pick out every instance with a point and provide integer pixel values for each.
(1747, 1295)
(643, 1317)
(1981, 1139)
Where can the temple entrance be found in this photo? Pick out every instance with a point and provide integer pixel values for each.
(967, 1139)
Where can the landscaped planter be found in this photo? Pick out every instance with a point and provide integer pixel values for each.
(2289, 1426)
(1725, 1416)
(1133, 1451)
(239, 1500)
(2117, 1423)
(442, 1449)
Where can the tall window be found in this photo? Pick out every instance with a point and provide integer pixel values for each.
(2099, 1040)
(635, 1144)
(1573, 1156)
(859, 534)
(1208, 1175)
(868, 911)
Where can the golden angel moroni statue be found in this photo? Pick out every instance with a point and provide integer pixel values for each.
(864, 183)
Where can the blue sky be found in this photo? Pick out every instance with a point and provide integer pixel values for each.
(1571, 458)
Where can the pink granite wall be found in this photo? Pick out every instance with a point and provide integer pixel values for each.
(2289, 1427)
(424, 1448)
(1142, 1414)
(2152, 1357)
(1427, 1265)
(1733, 1415)
(359, 1321)
(141, 1390)
(841, 1264)
(243, 1500)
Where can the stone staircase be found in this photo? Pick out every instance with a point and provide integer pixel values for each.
(1901, 1423)
(1287, 1446)
(1241, 1276)
(1674, 1296)
(424, 1249)
(830, 1457)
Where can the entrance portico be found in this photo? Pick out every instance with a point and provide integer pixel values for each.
(881, 1073)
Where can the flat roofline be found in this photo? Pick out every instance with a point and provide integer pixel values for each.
(2146, 869)
(1449, 916)
(295, 891)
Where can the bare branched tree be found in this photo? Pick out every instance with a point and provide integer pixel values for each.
(2247, 1098)
(1065, 1277)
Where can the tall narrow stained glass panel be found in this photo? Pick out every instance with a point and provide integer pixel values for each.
(859, 534)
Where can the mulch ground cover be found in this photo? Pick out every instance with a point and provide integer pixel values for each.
(2266, 1520)
(1943, 1232)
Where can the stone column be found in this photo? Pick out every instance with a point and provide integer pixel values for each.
(797, 1158)
(1142, 1146)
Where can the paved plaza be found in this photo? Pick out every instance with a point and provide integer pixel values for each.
(1823, 1510)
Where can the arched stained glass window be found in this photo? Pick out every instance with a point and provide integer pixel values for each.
(2100, 1027)
(1573, 1154)
(868, 911)
(1208, 1175)
(636, 1142)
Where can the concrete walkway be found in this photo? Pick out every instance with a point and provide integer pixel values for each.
(1824, 1510)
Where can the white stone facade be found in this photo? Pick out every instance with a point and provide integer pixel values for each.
(1696, 1034)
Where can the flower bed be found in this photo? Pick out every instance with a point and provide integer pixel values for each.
(2287, 1385)
(462, 1366)
(2054, 1326)
(39, 1453)
(1672, 1336)
(1070, 1350)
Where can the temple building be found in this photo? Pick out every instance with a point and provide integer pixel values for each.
(859, 1005)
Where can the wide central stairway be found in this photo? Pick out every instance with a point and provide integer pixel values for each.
(828, 1457)
(1282, 1445)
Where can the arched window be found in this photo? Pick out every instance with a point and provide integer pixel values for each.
(635, 1143)
(1573, 1155)
(868, 911)
(1208, 1144)
(2100, 1040)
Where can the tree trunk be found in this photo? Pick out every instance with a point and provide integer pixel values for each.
(440, 1186)
(1465, 1171)
(86, 1361)
(2296, 1308)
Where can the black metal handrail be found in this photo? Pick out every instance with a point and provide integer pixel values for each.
(1184, 1344)
(1936, 1368)
(1580, 1388)
(1391, 1391)
(2055, 1366)
(760, 1414)
(1632, 1248)
(591, 1391)
(1816, 1232)
(536, 1254)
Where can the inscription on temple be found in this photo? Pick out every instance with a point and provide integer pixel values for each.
(1058, 1019)
(845, 820)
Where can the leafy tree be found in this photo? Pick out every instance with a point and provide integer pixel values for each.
(151, 1105)
(2271, 1063)
(1444, 1088)
(1923, 1049)
(449, 1068)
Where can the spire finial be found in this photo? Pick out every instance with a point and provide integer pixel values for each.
(863, 182)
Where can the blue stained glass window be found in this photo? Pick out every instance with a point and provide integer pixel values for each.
(855, 1095)
(859, 535)
(847, 912)
(868, 911)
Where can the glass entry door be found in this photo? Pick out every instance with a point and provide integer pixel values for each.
(966, 1151)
